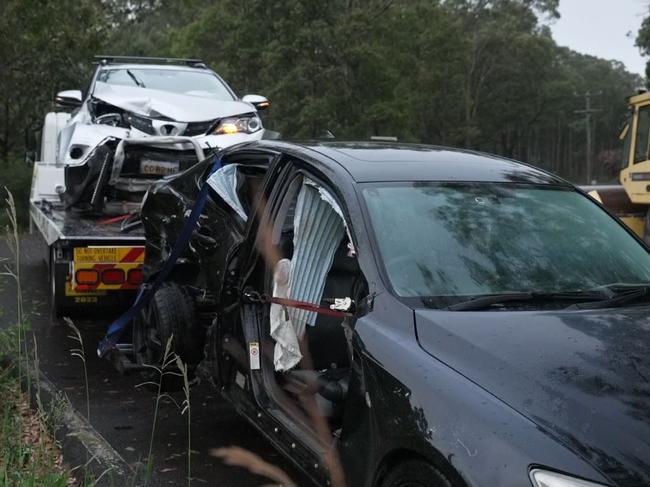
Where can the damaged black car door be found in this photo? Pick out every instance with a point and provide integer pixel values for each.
(186, 304)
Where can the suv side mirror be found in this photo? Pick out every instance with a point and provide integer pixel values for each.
(258, 101)
(68, 99)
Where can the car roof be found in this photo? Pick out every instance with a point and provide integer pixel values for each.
(392, 161)
(169, 67)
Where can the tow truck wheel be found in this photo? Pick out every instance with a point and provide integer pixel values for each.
(168, 316)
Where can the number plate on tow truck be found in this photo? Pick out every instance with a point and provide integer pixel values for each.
(158, 168)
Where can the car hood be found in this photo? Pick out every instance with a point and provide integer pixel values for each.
(162, 104)
(582, 376)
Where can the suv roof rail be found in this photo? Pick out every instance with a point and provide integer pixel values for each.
(106, 59)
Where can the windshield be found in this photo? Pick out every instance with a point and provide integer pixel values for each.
(195, 83)
(445, 241)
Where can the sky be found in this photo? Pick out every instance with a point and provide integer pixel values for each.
(601, 27)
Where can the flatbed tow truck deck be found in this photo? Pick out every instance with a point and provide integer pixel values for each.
(94, 261)
(55, 223)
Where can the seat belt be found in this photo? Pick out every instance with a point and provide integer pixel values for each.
(147, 291)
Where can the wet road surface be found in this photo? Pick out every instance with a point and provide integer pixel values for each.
(123, 412)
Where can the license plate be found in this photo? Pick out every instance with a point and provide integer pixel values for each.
(158, 168)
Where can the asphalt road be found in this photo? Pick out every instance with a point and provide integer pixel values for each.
(123, 412)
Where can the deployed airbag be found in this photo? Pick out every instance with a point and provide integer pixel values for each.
(287, 350)
(318, 229)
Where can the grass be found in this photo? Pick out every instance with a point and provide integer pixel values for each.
(29, 455)
(165, 371)
(81, 355)
(16, 175)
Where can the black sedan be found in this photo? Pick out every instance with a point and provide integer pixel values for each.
(403, 315)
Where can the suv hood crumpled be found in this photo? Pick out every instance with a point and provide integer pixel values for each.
(582, 376)
(172, 106)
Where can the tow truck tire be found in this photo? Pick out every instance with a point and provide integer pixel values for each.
(57, 292)
(170, 313)
(415, 473)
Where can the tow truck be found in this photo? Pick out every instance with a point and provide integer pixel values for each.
(93, 259)
(140, 119)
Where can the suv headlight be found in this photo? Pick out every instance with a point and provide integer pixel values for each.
(246, 124)
(544, 478)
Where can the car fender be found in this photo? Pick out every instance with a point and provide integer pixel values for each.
(84, 138)
(418, 404)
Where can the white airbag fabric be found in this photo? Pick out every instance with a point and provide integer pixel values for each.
(287, 350)
(318, 228)
(224, 183)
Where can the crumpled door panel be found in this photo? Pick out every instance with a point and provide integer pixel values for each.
(219, 229)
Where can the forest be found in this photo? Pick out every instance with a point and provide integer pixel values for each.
(478, 74)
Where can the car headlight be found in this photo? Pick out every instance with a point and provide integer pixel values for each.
(544, 478)
(143, 124)
(238, 125)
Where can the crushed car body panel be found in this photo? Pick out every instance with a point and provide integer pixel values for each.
(168, 106)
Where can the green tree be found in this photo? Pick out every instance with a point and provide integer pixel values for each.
(42, 49)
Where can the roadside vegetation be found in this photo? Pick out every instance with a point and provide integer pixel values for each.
(29, 455)
(16, 176)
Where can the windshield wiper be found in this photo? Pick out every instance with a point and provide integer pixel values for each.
(620, 294)
(486, 302)
(135, 79)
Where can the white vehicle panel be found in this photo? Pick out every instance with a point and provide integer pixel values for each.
(163, 104)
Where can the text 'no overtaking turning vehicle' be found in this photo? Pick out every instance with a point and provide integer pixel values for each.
(400, 315)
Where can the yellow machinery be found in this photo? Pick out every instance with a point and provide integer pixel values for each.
(631, 200)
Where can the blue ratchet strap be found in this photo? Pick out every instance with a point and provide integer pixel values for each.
(109, 342)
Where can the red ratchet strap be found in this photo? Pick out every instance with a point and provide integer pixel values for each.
(255, 297)
(116, 219)
(292, 303)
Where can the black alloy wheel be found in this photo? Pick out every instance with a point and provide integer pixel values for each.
(415, 473)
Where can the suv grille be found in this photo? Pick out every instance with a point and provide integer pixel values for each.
(198, 128)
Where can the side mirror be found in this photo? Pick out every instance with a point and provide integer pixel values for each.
(258, 101)
(68, 99)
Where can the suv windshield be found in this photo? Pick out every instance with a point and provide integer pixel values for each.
(447, 241)
(183, 82)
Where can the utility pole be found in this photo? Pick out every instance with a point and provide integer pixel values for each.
(587, 112)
